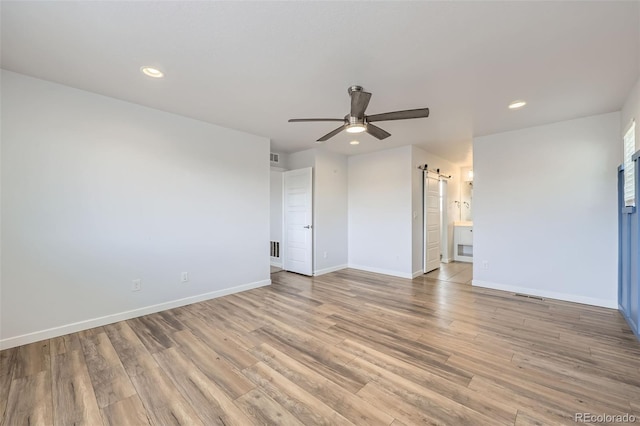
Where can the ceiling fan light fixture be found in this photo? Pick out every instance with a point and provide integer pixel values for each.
(356, 128)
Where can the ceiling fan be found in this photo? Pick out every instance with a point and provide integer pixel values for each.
(357, 122)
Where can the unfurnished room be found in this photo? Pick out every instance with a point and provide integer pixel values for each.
(318, 212)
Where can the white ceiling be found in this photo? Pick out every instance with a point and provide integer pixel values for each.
(253, 65)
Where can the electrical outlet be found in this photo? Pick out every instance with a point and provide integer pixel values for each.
(485, 264)
(184, 277)
(136, 284)
(324, 255)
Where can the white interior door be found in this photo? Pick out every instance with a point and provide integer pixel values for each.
(432, 230)
(298, 220)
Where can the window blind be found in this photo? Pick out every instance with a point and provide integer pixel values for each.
(629, 166)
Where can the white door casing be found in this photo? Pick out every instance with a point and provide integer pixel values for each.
(298, 220)
(432, 230)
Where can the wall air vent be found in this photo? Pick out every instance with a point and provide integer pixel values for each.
(275, 158)
(275, 249)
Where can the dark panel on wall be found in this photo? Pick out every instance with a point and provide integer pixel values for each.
(629, 253)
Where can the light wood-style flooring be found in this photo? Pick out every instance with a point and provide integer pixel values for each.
(349, 347)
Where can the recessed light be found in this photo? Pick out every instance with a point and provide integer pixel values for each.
(517, 104)
(152, 72)
(354, 142)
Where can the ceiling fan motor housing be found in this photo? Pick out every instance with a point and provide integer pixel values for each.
(355, 89)
(348, 119)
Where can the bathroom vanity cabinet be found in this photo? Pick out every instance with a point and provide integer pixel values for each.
(463, 241)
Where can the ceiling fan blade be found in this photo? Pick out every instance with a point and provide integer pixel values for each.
(399, 115)
(331, 134)
(359, 103)
(377, 132)
(300, 120)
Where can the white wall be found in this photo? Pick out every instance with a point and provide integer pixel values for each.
(631, 111)
(275, 216)
(380, 207)
(97, 192)
(422, 157)
(302, 159)
(545, 210)
(330, 211)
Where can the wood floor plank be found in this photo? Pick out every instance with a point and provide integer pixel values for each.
(163, 402)
(220, 311)
(353, 408)
(8, 361)
(393, 373)
(29, 401)
(304, 406)
(132, 353)
(526, 419)
(66, 343)
(108, 377)
(547, 412)
(125, 412)
(7, 365)
(440, 405)
(264, 410)
(154, 333)
(223, 343)
(5, 385)
(546, 389)
(419, 354)
(212, 404)
(324, 358)
(455, 342)
(426, 411)
(277, 315)
(613, 392)
(213, 365)
(74, 401)
(91, 332)
(32, 359)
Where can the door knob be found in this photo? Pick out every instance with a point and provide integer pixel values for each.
(307, 227)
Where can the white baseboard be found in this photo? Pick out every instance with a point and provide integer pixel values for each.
(50, 333)
(416, 274)
(382, 271)
(276, 264)
(447, 260)
(548, 294)
(327, 270)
